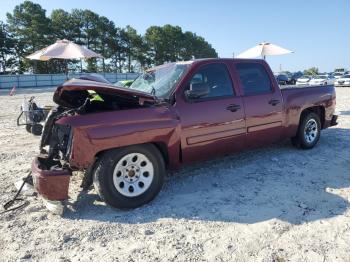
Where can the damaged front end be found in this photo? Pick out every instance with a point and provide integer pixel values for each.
(53, 167)
(50, 169)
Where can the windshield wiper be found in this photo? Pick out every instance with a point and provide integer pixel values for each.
(153, 91)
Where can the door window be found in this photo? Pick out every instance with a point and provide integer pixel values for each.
(254, 78)
(216, 77)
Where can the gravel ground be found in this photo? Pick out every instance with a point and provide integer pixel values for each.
(272, 204)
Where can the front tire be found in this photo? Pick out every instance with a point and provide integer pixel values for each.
(129, 177)
(309, 131)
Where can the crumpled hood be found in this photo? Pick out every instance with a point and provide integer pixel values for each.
(74, 92)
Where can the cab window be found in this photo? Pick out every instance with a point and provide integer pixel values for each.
(254, 78)
(216, 77)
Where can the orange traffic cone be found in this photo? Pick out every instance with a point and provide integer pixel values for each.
(13, 90)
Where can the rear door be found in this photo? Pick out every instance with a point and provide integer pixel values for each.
(263, 103)
(212, 125)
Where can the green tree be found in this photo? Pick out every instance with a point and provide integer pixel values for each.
(116, 49)
(62, 25)
(196, 47)
(311, 71)
(7, 49)
(155, 44)
(30, 27)
(123, 49)
(90, 34)
(133, 46)
(169, 44)
(106, 32)
(173, 42)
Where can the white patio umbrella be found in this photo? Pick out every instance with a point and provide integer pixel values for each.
(63, 49)
(263, 49)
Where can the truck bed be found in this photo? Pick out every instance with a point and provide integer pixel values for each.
(282, 87)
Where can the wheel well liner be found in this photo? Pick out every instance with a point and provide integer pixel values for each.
(319, 110)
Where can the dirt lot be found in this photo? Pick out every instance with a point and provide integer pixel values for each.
(271, 204)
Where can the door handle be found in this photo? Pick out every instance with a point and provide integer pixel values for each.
(274, 102)
(233, 108)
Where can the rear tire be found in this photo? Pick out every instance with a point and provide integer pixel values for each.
(129, 177)
(309, 131)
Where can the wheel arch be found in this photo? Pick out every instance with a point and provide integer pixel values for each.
(87, 180)
(319, 110)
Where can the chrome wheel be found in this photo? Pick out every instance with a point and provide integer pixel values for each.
(311, 131)
(133, 174)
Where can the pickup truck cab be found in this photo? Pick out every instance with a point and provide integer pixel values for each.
(125, 139)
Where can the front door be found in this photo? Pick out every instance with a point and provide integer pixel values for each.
(213, 124)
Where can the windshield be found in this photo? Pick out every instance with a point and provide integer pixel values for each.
(161, 80)
(346, 76)
(304, 78)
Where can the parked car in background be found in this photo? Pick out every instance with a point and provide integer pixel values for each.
(343, 81)
(337, 75)
(172, 115)
(340, 71)
(322, 80)
(282, 79)
(287, 78)
(294, 77)
(303, 81)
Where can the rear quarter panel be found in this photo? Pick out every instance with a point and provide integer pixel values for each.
(296, 100)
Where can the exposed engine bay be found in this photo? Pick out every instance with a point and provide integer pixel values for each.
(56, 139)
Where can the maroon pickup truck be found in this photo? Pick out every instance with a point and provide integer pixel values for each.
(124, 139)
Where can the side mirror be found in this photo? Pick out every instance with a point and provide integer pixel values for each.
(197, 90)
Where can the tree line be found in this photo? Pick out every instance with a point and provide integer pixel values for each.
(28, 29)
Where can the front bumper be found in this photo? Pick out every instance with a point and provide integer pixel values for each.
(51, 183)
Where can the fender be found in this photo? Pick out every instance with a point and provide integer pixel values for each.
(97, 132)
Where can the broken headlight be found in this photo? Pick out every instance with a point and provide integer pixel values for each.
(61, 141)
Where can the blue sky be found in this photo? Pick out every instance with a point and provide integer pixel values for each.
(318, 31)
